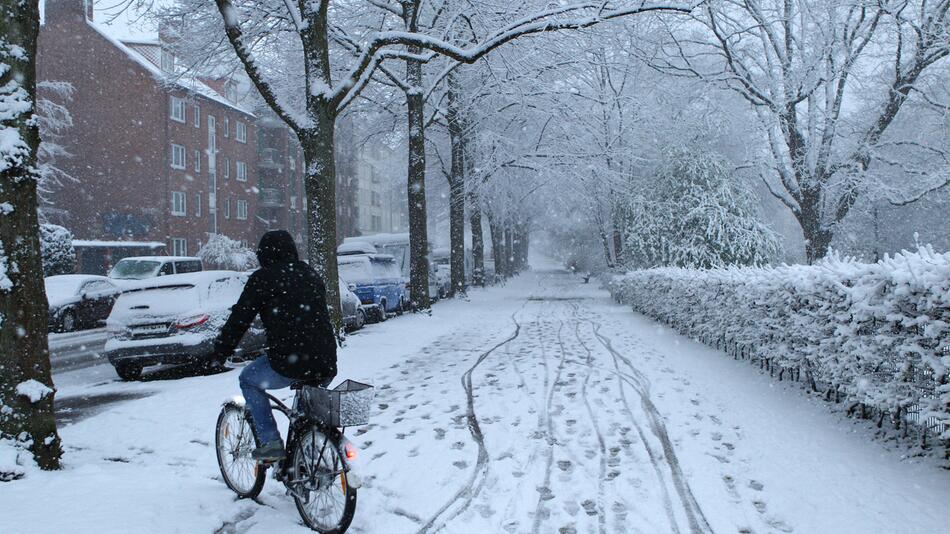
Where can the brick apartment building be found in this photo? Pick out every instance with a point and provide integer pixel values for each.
(156, 157)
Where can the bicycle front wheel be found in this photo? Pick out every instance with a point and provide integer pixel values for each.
(324, 499)
(235, 439)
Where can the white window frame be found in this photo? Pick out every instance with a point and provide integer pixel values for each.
(293, 163)
(197, 204)
(240, 132)
(227, 127)
(240, 171)
(197, 112)
(227, 208)
(179, 150)
(177, 109)
(197, 161)
(179, 204)
(227, 168)
(179, 246)
(242, 208)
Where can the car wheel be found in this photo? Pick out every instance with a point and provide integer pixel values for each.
(381, 311)
(360, 318)
(401, 307)
(128, 371)
(67, 321)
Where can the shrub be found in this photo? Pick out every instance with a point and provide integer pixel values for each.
(56, 244)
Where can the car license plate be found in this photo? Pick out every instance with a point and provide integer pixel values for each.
(150, 329)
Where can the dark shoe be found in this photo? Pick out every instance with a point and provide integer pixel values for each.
(269, 452)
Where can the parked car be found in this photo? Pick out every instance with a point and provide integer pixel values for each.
(174, 319)
(354, 315)
(379, 284)
(145, 267)
(78, 301)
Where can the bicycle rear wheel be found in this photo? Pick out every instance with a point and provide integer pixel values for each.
(324, 499)
(235, 439)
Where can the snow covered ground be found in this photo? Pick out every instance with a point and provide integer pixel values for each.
(540, 406)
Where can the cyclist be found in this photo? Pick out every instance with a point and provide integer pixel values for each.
(301, 345)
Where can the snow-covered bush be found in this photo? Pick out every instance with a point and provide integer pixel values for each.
(59, 256)
(225, 253)
(874, 334)
(695, 213)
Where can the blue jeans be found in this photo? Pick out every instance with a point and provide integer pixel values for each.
(254, 379)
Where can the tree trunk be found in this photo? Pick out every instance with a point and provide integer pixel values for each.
(817, 236)
(24, 348)
(321, 207)
(456, 180)
(509, 251)
(478, 240)
(497, 246)
(418, 232)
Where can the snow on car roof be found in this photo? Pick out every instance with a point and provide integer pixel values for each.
(380, 239)
(356, 247)
(161, 258)
(196, 278)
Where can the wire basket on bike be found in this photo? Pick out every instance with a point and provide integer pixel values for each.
(348, 404)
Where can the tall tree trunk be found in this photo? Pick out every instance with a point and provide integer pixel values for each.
(478, 240)
(497, 246)
(26, 385)
(418, 232)
(320, 185)
(509, 250)
(456, 180)
(817, 236)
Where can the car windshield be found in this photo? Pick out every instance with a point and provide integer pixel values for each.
(134, 269)
(356, 272)
(63, 286)
(385, 269)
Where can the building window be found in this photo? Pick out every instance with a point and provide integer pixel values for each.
(197, 116)
(242, 210)
(179, 246)
(168, 61)
(241, 169)
(197, 161)
(377, 223)
(293, 221)
(375, 200)
(178, 156)
(241, 132)
(198, 205)
(293, 202)
(293, 163)
(227, 168)
(177, 109)
(227, 127)
(227, 208)
(178, 204)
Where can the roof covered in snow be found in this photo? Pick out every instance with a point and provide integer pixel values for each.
(100, 243)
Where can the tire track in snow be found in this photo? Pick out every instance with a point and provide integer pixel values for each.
(602, 445)
(545, 489)
(636, 379)
(476, 481)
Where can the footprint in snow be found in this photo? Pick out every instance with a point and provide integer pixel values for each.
(756, 485)
(439, 433)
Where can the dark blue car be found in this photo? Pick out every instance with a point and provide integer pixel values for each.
(378, 281)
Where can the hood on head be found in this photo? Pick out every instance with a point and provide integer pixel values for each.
(276, 246)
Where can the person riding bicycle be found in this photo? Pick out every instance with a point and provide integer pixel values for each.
(301, 344)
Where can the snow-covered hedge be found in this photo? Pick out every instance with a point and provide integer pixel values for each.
(222, 252)
(874, 334)
(56, 244)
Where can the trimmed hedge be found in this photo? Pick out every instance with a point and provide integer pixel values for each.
(872, 334)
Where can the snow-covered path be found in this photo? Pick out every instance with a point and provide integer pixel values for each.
(538, 407)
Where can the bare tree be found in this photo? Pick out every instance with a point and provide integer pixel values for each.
(827, 80)
(26, 393)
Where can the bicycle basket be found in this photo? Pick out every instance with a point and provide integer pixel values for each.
(348, 404)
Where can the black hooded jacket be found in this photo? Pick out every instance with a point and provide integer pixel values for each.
(291, 300)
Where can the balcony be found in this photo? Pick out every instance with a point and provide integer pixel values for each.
(270, 159)
(270, 198)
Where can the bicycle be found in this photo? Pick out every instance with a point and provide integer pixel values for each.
(318, 470)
